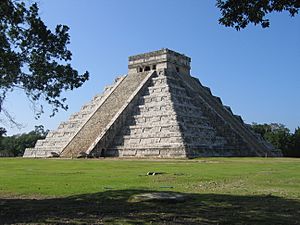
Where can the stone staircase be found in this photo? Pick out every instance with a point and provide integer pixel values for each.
(56, 140)
(90, 133)
(151, 127)
(163, 123)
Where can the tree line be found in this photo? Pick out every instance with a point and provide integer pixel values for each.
(15, 145)
(275, 133)
(280, 137)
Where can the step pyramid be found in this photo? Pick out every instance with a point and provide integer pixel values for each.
(157, 110)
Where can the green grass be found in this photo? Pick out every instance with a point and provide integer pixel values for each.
(219, 191)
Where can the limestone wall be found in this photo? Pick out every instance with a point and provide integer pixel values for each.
(241, 140)
(57, 140)
(103, 115)
(151, 128)
(171, 119)
(106, 137)
(164, 123)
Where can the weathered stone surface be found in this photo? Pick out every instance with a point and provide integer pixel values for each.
(82, 155)
(100, 121)
(57, 140)
(158, 110)
(54, 154)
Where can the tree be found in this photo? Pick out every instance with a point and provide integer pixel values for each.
(295, 144)
(239, 13)
(40, 130)
(33, 58)
(261, 129)
(15, 145)
(280, 137)
(2, 133)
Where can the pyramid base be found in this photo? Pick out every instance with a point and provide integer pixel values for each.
(178, 152)
(142, 153)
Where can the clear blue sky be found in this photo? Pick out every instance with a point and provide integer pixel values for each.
(255, 71)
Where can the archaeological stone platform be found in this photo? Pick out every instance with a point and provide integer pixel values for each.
(157, 110)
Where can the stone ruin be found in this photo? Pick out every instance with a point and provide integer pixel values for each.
(157, 110)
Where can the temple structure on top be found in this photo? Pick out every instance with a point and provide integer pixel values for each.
(157, 110)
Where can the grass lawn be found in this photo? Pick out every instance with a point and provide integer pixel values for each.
(216, 190)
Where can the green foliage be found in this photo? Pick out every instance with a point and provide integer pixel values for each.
(280, 136)
(33, 58)
(17, 144)
(239, 13)
(2, 131)
(295, 143)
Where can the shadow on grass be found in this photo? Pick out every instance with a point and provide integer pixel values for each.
(113, 207)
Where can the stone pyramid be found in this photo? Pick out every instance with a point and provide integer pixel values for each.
(157, 110)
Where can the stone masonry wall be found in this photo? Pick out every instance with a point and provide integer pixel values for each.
(241, 140)
(165, 123)
(57, 140)
(93, 128)
(170, 120)
(119, 119)
(151, 130)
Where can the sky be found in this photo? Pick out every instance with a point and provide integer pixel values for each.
(255, 71)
